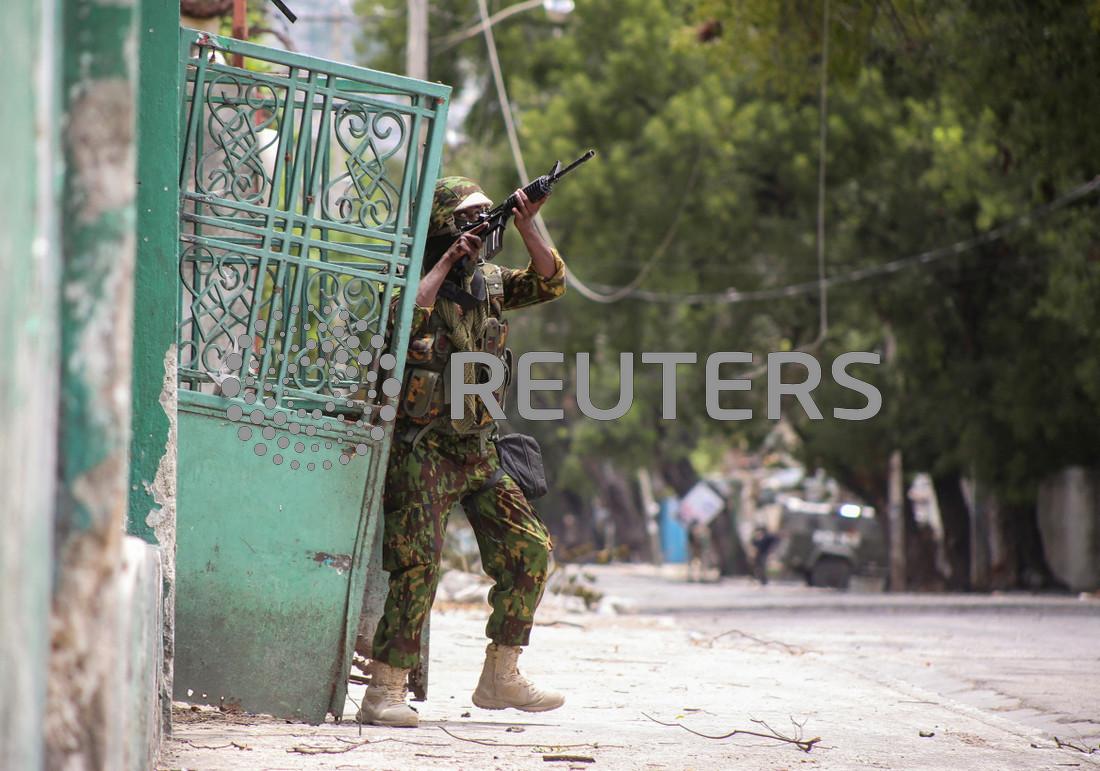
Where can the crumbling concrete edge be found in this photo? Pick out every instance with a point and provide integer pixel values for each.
(140, 589)
(162, 521)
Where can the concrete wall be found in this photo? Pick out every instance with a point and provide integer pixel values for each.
(81, 612)
(1069, 520)
(29, 273)
(84, 701)
(152, 495)
(140, 672)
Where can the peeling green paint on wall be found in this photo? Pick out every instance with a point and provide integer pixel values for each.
(155, 273)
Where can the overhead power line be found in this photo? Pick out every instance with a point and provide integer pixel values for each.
(604, 293)
(517, 154)
(731, 295)
(614, 294)
(486, 21)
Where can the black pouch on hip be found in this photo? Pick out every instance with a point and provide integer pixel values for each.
(521, 459)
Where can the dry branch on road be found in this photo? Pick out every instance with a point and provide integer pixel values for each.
(540, 745)
(235, 745)
(794, 650)
(348, 746)
(803, 744)
(1062, 744)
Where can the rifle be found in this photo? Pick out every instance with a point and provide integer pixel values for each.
(497, 218)
(494, 221)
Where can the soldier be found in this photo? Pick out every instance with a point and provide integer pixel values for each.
(436, 462)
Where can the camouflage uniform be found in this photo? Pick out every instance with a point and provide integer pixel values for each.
(426, 477)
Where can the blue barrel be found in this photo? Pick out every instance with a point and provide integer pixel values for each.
(674, 537)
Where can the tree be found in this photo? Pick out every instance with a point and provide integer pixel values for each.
(944, 120)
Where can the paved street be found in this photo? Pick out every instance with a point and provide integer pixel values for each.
(1029, 658)
(885, 681)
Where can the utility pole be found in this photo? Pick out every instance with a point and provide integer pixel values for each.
(980, 568)
(895, 495)
(416, 49)
(240, 28)
(896, 506)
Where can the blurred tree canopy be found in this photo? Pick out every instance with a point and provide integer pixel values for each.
(944, 119)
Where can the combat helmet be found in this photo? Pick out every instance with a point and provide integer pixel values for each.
(452, 194)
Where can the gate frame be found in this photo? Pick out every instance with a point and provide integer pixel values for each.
(426, 121)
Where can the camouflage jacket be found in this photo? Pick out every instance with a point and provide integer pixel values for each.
(423, 394)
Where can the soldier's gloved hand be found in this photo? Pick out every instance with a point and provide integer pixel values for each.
(525, 211)
(467, 245)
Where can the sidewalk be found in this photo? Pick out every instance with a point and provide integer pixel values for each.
(617, 669)
(660, 589)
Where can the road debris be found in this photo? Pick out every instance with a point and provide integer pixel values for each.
(540, 745)
(805, 745)
(235, 745)
(1064, 745)
(794, 650)
(346, 745)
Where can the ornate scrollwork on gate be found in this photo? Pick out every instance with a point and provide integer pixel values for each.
(240, 123)
(293, 228)
(334, 363)
(364, 194)
(220, 286)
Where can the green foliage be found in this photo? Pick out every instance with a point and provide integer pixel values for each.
(944, 120)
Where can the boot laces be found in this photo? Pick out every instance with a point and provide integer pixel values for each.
(394, 692)
(513, 675)
(518, 678)
(392, 687)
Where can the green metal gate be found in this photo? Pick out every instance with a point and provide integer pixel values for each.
(305, 190)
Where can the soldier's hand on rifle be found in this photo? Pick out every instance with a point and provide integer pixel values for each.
(525, 211)
(542, 260)
(467, 245)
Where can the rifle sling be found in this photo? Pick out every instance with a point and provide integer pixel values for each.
(452, 291)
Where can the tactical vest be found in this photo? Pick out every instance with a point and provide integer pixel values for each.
(425, 393)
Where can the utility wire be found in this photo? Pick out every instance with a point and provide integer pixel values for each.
(822, 148)
(450, 41)
(732, 296)
(517, 157)
(615, 294)
(502, 93)
(603, 293)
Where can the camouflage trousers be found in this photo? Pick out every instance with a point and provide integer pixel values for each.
(423, 483)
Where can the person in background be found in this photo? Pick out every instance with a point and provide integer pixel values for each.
(762, 544)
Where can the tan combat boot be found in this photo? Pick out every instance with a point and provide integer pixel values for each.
(384, 701)
(502, 685)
